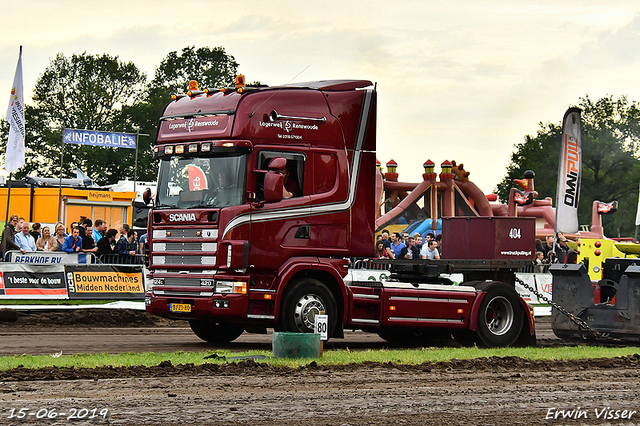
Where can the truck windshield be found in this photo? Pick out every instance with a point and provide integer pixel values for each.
(189, 182)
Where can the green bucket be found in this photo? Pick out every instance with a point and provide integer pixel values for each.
(296, 345)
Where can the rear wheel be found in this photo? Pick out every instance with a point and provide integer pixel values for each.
(306, 299)
(500, 316)
(216, 331)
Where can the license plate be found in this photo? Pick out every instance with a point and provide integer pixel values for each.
(180, 307)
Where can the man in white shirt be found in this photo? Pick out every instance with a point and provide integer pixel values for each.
(429, 250)
(25, 240)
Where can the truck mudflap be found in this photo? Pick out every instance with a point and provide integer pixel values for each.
(615, 314)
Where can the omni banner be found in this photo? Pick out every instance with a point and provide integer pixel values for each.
(104, 282)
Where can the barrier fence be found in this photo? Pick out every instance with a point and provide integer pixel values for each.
(60, 257)
(59, 275)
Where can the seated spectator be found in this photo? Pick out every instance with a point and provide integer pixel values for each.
(25, 240)
(54, 230)
(107, 244)
(429, 250)
(73, 243)
(99, 229)
(46, 242)
(127, 245)
(19, 225)
(405, 237)
(418, 238)
(410, 251)
(539, 262)
(8, 235)
(439, 244)
(561, 249)
(35, 231)
(60, 236)
(385, 238)
(430, 236)
(396, 245)
(381, 251)
(124, 229)
(86, 230)
(142, 241)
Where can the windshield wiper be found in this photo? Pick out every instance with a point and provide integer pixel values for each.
(164, 206)
(199, 206)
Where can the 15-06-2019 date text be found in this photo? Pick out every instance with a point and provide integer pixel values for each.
(52, 413)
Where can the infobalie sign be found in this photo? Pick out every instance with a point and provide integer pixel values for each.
(96, 138)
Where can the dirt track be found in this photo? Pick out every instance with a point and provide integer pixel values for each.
(495, 391)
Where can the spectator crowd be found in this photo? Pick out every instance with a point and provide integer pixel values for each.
(107, 244)
(404, 246)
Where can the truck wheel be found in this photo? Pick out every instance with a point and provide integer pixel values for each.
(214, 331)
(500, 316)
(306, 299)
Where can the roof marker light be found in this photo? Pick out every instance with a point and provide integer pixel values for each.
(206, 147)
(168, 150)
(193, 147)
(179, 149)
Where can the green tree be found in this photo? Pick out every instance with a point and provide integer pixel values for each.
(83, 92)
(209, 67)
(100, 92)
(611, 171)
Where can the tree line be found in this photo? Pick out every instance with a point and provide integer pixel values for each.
(102, 92)
(610, 165)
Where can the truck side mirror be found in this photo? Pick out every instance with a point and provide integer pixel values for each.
(273, 185)
(146, 196)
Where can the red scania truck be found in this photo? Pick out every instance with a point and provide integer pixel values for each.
(265, 195)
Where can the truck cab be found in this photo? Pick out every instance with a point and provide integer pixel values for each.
(260, 189)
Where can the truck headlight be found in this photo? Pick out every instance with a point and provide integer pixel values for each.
(237, 287)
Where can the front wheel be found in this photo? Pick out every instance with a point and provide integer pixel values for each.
(306, 299)
(215, 331)
(500, 317)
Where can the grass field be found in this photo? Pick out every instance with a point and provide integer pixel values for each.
(331, 357)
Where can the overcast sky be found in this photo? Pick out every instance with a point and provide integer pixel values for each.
(463, 80)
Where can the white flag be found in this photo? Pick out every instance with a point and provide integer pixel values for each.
(569, 173)
(14, 155)
(638, 212)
